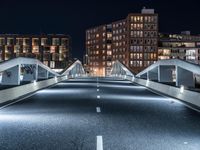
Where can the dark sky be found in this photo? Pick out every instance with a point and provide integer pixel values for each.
(73, 17)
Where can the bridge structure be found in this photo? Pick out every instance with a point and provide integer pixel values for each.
(15, 71)
(155, 109)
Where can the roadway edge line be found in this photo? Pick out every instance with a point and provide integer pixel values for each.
(174, 99)
(23, 98)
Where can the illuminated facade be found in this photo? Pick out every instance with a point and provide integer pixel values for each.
(181, 46)
(52, 49)
(133, 41)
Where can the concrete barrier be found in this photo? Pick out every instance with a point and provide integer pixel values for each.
(184, 95)
(19, 91)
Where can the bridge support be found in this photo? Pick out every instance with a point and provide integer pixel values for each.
(11, 76)
(42, 73)
(165, 74)
(184, 77)
(153, 74)
(144, 76)
(29, 72)
(50, 75)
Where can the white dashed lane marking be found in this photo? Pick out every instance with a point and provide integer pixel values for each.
(99, 142)
(98, 109)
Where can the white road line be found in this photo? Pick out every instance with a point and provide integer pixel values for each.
(4, 106)
(26, 97)
(98, 96)
(99, 142)
(185, 143)
(169, 98)
(174, 100)
(97, 90)
(98, 109)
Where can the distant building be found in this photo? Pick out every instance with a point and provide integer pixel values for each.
(133, 41)
(52, 49)
(182, 46)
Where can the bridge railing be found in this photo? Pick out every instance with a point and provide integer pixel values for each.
(119, 70)
(175, 72)
(75, 70)
(159, 76)
(19, 70)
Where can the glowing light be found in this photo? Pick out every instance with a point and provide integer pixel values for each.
(182, 88)
(35, 82)
(64, 91)
(21, 77)
(0, 77)
(135, 97)
(185, 143)
(147, 83)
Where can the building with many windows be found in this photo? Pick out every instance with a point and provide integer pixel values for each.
(181, 46)
(52, 49)
(133, 41)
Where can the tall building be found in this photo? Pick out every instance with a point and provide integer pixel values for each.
(133, 41)
(52, 49)
(181, 46)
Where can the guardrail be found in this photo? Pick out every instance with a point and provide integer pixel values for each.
(24, 69)
(176, 71)
(155, 77)
(75, 70)
(121, 71)
(19, 91)
(17, 70)
(14, 71)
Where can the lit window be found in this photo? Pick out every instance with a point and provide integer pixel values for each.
(35, 41)
(109, 53)
(35, 49)
(108, 47)
(55, 41)
(53, 49)
(45, 63)
(52, 64)
(44, 41)
(109, 35)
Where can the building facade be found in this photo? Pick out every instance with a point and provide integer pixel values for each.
(133, 41)
(181, 46)
(51, 49)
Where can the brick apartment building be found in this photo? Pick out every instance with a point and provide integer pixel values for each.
(133, 41)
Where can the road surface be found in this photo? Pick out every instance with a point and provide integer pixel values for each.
(98, 114)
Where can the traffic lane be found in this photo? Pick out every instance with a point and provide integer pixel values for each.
(126, 90)
(60, 96)
(51, 120)
(142, 123)
(113, 81)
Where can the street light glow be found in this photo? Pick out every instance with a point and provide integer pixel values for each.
(182, 88)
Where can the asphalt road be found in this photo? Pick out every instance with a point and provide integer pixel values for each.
(98, 114)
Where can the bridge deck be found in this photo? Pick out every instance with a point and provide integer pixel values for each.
(124, 116)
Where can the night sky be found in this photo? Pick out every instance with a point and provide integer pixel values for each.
(73, 17)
